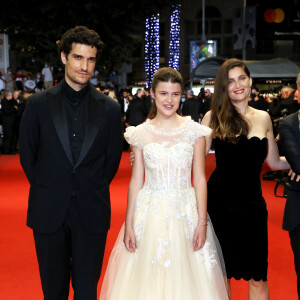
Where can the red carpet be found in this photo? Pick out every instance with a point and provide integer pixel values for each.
(19, 276)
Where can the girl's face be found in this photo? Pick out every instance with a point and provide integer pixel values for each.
(238, 84)
(167, 97)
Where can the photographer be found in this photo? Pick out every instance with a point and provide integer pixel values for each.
(258, 101)
(285, 101)
(289, 130)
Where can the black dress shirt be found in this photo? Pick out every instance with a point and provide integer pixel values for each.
(76, 105)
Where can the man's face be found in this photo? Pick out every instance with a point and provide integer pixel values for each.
(207, 93)
(79, 65)
(254, 91)
(16, 95)
(125, 94)
(140, 94)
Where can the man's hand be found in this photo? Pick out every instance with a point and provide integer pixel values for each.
(293, 175)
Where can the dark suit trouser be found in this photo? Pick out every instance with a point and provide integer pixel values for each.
(71, 252)
(8, 135)
(295, 242)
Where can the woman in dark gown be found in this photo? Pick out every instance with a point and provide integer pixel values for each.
(243, 139)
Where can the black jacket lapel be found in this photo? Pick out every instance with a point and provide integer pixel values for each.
(95, 113)
(59, 118)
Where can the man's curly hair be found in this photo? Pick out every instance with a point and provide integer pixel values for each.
(79, 35)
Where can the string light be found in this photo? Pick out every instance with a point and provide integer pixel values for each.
(174, 46)
(151, 47)
(147, 58)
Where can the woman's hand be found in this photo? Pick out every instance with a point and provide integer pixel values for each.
(199, 237)
(129, 239)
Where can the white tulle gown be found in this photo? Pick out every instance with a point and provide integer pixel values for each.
(164, 266)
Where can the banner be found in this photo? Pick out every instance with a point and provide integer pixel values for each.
(249, 29)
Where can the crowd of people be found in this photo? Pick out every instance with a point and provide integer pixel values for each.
(135, 108)
(179, 240)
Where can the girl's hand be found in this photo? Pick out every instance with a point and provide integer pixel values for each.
(131, 158)
(199, 237)
(129, 239)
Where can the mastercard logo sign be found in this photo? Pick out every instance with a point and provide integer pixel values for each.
(274, 15)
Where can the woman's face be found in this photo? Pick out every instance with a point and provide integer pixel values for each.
(167, 97)
(238, 84)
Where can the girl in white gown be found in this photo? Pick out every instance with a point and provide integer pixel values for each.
(167, 249)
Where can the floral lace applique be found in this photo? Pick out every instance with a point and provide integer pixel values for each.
(209, 255)
(160, 258)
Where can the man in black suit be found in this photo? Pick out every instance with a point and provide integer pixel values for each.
(289, 132)
(70, 149)
(191, 106)
(137, 111)
(147, 98)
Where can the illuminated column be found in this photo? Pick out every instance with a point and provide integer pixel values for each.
(151, 48)
(174, 46)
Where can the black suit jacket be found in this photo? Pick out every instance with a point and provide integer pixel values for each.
(191, 107)
(137, 112)
(46, 158)
(121, 102)
(290, 138)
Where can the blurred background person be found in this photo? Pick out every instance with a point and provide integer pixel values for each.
(38, 82)
(9, 108)
(29, 84)
(9, 80)
(2, 82)
(205, 102)
(47, 76)
(147, 98)
(286, 103)
(19, 79)
(137, 111)
(112, 94)
(191, 106)
(95, 78)
(258, 101)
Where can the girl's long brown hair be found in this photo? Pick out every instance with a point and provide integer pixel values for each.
(226, 121)
(163, 75)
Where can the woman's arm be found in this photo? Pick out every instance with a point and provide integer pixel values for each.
(200, 186)
(136, 183)
(273, 159)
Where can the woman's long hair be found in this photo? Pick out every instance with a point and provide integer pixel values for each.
(226, 121)
(163, 75)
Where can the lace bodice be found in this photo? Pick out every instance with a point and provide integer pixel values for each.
(168, 155)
